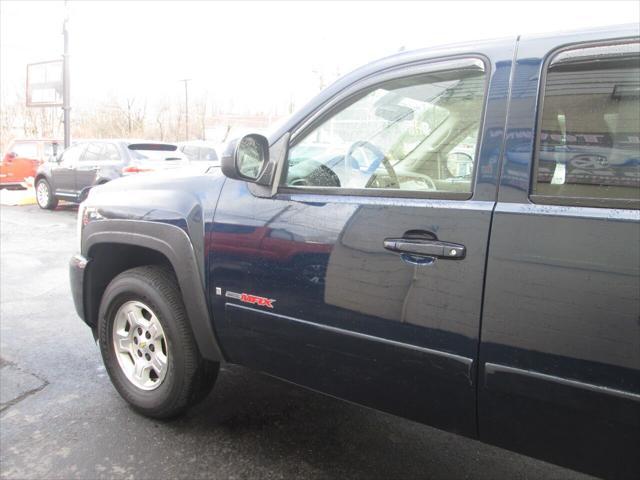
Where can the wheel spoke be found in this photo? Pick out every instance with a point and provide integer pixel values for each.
(135, 317)
(158, 363)
(141, 371)
(124, 343)
(154, 330)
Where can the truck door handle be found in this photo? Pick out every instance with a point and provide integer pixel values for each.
(426, 248)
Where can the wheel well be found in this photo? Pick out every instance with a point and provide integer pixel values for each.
(109, 260)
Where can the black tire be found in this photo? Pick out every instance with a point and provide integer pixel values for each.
(189, 377)
(48, 201)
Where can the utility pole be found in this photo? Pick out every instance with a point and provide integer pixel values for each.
(186, 107)
(66, 95)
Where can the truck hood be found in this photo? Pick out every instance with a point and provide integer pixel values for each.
(181, 198)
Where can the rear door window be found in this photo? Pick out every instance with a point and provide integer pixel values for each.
(589, 135)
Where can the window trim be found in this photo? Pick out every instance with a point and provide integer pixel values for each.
(344, 97)
(537, 198)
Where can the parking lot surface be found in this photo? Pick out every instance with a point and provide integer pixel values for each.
(61, 418)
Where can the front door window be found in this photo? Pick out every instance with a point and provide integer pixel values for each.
(412, 134)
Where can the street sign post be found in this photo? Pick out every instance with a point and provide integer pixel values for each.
(48, 83)
(45, 84)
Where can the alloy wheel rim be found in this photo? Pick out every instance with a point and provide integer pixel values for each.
(42, 193)
(140, 345)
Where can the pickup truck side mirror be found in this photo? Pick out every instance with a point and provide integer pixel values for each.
(247, 158)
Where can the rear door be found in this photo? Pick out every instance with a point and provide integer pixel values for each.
(560, 353)
(362, 277)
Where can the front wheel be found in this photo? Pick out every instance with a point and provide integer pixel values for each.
(44, 196)
(147, 344)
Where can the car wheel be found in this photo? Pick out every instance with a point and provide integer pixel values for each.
(44, 195)
(147, 344)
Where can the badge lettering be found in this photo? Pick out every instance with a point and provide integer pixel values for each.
(255, 300)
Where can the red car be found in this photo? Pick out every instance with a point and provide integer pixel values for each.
(23, 158)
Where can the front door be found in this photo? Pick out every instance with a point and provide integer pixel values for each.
(64, 171)
(88, 166)
(362, 277)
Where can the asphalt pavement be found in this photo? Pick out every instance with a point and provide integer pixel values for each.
(61, 418)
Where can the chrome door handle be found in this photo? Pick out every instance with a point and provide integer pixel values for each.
(426, 248)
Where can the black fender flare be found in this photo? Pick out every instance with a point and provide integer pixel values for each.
(174, 243)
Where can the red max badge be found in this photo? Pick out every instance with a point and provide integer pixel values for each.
(251, 299)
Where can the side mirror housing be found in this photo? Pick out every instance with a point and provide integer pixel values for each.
(247, 159)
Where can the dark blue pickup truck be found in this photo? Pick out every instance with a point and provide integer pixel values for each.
(449, 235)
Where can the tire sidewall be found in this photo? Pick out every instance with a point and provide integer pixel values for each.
(120, 291)
(48, 204)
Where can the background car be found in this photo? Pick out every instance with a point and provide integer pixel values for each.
(202, 153)
(87, 163)
(22, 159)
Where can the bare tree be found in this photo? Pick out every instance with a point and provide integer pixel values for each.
(178, 122)
(135, 116)
(201, 114)
(8, 116)
(162, 119)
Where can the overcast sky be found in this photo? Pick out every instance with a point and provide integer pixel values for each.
(258, 54)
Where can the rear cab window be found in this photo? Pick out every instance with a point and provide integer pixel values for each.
(26, 150)
(155, 152)
(588, 142)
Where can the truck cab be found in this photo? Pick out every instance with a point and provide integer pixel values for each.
(448, 235)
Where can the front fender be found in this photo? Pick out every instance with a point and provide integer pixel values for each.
(174, 244)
